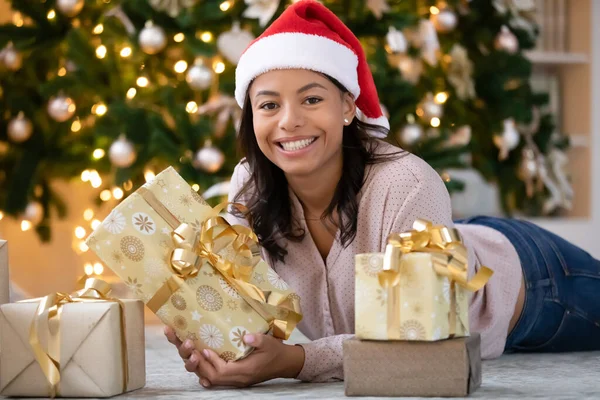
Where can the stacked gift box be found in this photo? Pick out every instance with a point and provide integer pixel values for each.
(412, 327)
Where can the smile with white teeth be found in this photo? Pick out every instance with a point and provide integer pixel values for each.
(297, 144)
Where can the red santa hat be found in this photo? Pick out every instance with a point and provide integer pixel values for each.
(307, 35)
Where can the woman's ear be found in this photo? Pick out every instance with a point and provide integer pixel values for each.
(348, 108)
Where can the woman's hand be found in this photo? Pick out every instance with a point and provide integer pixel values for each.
(270, 359)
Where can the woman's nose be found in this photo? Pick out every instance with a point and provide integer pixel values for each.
(291, 118)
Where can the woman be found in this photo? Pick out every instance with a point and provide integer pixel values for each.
(321, 187)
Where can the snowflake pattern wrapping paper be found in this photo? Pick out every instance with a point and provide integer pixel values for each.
(137, 244)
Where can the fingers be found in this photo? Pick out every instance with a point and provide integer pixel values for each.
(186, 349)
(171, 337)
(191, 365)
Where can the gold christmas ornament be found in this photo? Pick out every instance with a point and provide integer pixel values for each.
(460, 73)
(61, 108)
(70, 8)
(34, 212)
(19, 128)
(122, 153)
(172, 7)
(445, 20)
(231, 44)
(209, 158)
(152, 39)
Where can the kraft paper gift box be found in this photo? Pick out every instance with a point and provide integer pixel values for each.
(4, 274)
(418, 289)
(198, 274)
(101, 347)
(445, 368)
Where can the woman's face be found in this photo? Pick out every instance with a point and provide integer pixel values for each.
(298, 119)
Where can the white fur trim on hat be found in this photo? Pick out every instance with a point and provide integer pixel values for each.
(297, 50)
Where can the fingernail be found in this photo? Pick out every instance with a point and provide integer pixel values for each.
(193, 358)
(249, 339)
(205, 352)
(205, 383)
(166, 330)
(188, 344)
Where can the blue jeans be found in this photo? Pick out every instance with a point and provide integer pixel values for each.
(562, 290)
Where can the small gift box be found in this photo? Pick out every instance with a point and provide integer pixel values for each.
(196, 272)
(83, 344)
(4, 275)
(446, 368)
(418, 289)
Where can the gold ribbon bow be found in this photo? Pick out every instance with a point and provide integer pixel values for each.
(241, 244)
(50, 308)
(449, 257)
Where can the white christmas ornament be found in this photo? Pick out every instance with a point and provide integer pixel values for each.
(445, 20)
(508, 140)
(429, 42)
(410, 68)
(507, 41)
(199, 77)
(233, 43)
(19, 129)
(396, 40)
(34, 212)
(122, 153)
(70, 8)
(152, 39)
(410, 134)
(263, 10)
(11, 58)
(209, 159)
(61, 108)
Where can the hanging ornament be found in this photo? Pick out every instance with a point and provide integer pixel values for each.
(506, 41)
(528, 169)
(199, 76)
(152, 38)
(122, 153)
(34, 212)
(555, 200)
(263, 10)
(11, 58)
(460, 73)
(428, 108)
(226, 108)
(445, 20)
(396, 40)
(69, 8)
(209, 158)
(233, 43)
(378, 7)
(411, 68)
(410, 134)
(508, 140)
(559, 163)
(172, 7)
(429, 43)
(19, 128)
(61, 108)
(461, 137)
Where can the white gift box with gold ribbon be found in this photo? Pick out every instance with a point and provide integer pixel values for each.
(196, 272)
(418, 289)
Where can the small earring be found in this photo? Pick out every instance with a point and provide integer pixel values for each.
(346, 120)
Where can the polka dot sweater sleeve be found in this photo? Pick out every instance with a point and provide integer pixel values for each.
(323, 359)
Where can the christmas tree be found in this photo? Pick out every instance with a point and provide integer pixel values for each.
(113, 91)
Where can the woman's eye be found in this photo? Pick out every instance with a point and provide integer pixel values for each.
(268, 106)
(313, 100)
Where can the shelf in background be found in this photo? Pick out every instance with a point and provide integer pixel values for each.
(555, 58)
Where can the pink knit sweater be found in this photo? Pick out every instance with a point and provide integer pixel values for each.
(394, 195)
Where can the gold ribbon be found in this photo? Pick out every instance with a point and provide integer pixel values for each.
(216, 234)
(50, 309)
(449, 257)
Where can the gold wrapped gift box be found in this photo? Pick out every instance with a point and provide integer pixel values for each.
(83, 344)
(196, 272)
(418, 290)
